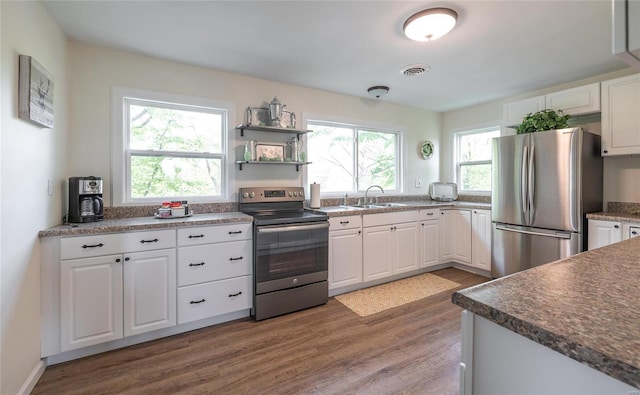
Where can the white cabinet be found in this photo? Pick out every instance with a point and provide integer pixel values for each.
(481, 239)
(429, 237)
(575, 101)
(105, 296)
(602, 233)
(215, 265)
(621, 116)
(345, 251)
(634, 231)
(630, 230)
(90, 301)
(390, 244)
(455, 241)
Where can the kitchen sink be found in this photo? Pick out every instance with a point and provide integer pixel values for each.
(390, 204)
(354, 207)
(375, 205)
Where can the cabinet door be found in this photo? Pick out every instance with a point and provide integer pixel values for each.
(429, 241)
(377, 252)
(462, 232)
(514, 113)
(576, 101)
(90, 301)
(149, 291)
(345, 257)
(447, 235)
(406, 243)
(620, 119)
(481, 239)
(602, 233)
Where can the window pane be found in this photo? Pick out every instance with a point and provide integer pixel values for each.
(475, 177)
(167, 177)
(331, 150)
(167, 129)
(377, 159)
(476, 146)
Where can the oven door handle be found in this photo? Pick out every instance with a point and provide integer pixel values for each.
(293, 228)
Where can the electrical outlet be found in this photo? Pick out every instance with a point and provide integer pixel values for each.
(418, 183)
(50, 187)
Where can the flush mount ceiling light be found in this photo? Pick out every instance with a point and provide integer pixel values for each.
(430, 24)
(378, 91)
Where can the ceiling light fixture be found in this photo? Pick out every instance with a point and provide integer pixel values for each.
(430, 24)
(378, 91)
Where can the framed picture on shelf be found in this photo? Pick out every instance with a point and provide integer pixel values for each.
(35, 92)
(270, 152)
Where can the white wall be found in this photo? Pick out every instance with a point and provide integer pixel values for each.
(621, 174)
(30, 156)
(95, 69)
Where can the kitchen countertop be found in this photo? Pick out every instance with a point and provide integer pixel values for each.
(615, 216)
(142, 223)
(585, 307)
(340, 211)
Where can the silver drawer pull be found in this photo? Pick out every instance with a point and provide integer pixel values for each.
(234, 295)
(149, 241)
(198, 301)
(93, 246)
(196, 264)
(235, 259)
(195, 236)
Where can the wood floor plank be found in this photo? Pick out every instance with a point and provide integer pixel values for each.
(414, 348)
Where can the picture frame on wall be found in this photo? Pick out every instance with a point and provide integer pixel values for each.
(35, 92)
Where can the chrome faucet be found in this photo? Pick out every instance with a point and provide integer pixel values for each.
(367, 191)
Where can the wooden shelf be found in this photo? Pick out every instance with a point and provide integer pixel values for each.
(266, 162)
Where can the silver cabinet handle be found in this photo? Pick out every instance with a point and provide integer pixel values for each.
(276, 229)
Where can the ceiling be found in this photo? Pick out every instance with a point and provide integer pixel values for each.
(497, 49)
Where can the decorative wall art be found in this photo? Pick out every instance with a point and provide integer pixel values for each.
(426, 149)
(35, 92)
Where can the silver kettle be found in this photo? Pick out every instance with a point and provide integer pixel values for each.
(275, 111)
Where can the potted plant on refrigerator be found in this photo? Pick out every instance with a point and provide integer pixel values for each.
(543, 120)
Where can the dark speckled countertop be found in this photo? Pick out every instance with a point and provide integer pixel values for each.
(141, 223)
(585, 307)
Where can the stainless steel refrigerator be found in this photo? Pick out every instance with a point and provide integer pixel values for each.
(543, 184)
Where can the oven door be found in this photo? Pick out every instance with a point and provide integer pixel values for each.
(291, 255)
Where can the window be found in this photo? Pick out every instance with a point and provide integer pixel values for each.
(168, 147)
(349, 158)
(473, 158)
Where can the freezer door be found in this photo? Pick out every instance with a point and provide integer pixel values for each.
(508, 179)
(517, 248)
(553, 180)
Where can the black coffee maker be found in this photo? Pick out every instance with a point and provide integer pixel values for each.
(85, 199)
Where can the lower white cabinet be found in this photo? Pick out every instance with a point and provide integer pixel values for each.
(602, 233)
(390, 244)
(345, 251)
(429, 237)
(455, 243)
(481, 239)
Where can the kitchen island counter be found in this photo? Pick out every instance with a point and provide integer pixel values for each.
(144, 223)
(584, 307)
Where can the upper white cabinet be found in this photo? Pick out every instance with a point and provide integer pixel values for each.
(621, 116)
(575, 101)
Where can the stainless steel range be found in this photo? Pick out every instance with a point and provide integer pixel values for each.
(290, 250)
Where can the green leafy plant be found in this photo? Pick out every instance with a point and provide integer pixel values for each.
(543, 120)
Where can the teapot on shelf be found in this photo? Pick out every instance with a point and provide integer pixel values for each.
(275, 111)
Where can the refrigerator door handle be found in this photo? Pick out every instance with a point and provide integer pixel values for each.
(557, 235)
(531, 184)
(523, 182)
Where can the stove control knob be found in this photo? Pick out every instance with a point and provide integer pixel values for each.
(245, 195)
(301, 193)
(290, 193)
(295, 280)
(252, 195)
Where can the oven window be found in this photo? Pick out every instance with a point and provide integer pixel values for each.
(291, 253)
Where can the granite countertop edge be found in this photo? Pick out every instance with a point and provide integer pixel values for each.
(340, 211)
(614, 216)
(143, 223)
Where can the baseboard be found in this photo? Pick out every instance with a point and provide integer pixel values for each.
(32, 379)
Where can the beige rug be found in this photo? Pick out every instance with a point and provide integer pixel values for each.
(373, 300)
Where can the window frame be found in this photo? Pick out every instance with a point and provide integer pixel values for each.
(121, 98)
(355, 125)
(457, 164)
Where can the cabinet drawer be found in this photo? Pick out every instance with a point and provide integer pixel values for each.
(426, 215)
(196, 302)
(208, 262)
(349, 222)
(397, 217)
(88, 246)
(214, 234)
(148, 240)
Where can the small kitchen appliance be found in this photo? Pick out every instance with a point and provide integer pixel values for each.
(85, 199)
(290, 251)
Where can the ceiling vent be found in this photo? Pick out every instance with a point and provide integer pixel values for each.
(415, 69)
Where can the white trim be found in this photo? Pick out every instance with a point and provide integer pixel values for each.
(31, 381)
(119, 160)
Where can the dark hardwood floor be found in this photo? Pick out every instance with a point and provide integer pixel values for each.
(411, 349)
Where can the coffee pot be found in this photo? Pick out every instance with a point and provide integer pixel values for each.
(85, 199)
(275, 111)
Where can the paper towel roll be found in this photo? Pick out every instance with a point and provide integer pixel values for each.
(315, 195)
